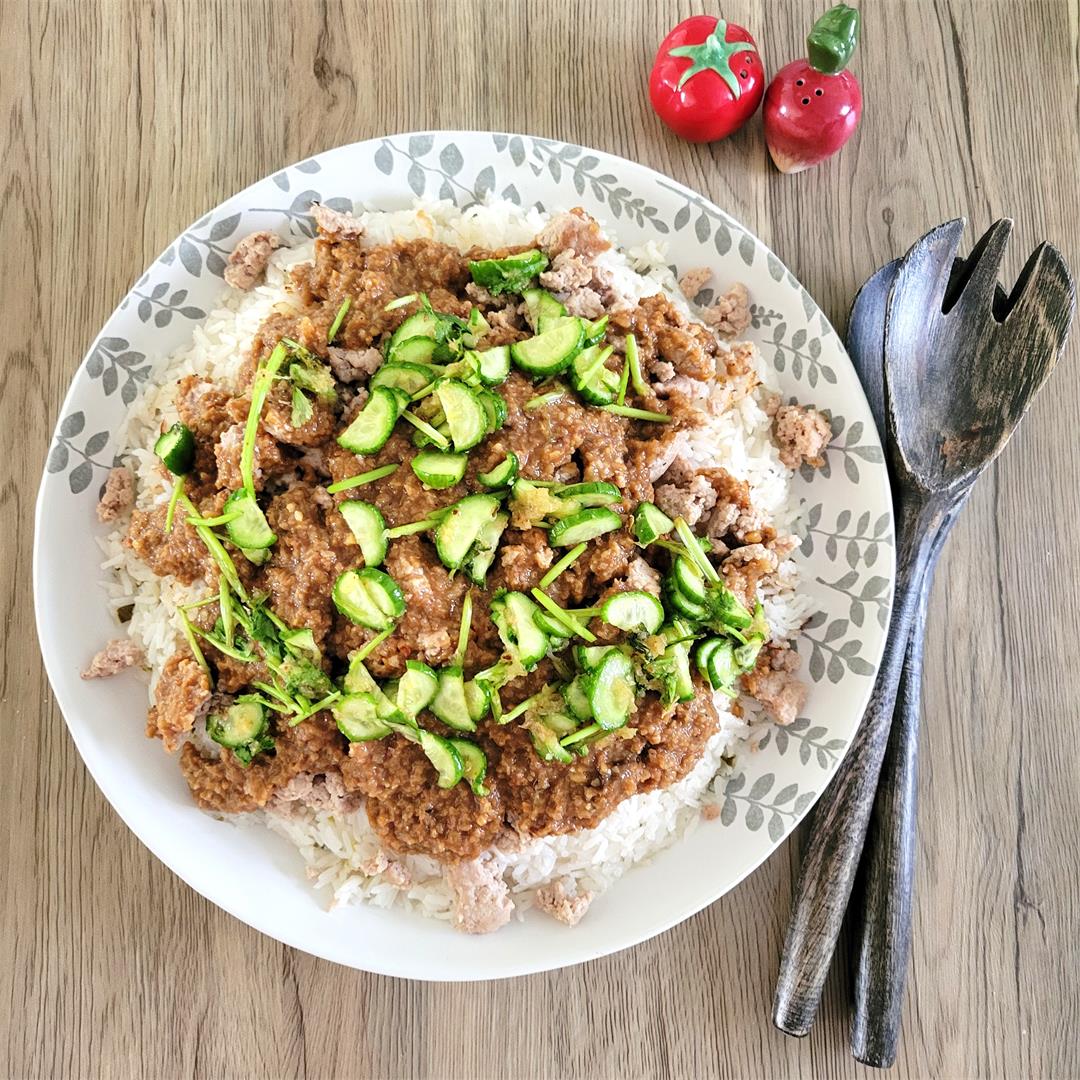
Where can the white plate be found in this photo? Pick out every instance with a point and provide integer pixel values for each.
(847, 556)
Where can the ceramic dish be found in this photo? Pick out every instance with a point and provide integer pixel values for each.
(846, 555)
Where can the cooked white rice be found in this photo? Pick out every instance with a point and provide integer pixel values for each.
(336, 846)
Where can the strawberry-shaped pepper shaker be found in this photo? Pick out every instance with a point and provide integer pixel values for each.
(812, 106)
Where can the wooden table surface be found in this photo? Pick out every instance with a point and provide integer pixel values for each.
(121, 123)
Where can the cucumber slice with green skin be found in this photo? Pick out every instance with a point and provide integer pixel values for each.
(581, 527)
(503, 474)
(405, 376)
(474, 765)
(588, 657)
(577, 701)
(715, 659)
(449, 703)
(417, 350)
(559, 722)
(677, 601)
(242, 723)
(650, 523)
(725, 610)
(441, 753)
(416, 688)
(493, 365)
(438, 470)
(358, 680)
(176, 448)
(546, 744)
(538, 303)
(634, 611)
(594, 331)
(494, 406)
(595, 493)
(250, 530)
(421, 324)
(367, 525)
(551, 352)
(487, 544)
(458, 534)
(512, 274)
(591, 378)
(514, 616)
(477, 700)
(368, 432)
(688, 580)
(466, 417)
(357, 717)
(611, 690)
(368, 598)
(478, 325)
(675, 664)
(549, 624)
(302, 643)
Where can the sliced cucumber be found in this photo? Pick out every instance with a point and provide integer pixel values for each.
(422, 324)
(511, 274)
(368, 598)
(250, 530)
(688, 579)
(176, 448)
(549, 624)
(634, 611)
(240, 724)
(581, 527)
(357, 717)
(546, 744)
(502, 474)
(477, 700)
(449, 703)
(493, 364)
(682, 604)
(458, 533)
(594, 331)
(438, 470)
(466, 417)
(588, 657)
(416, 688)
(368, 527)
(577, 701)
(477, 324)
(417, 350)
(595, 493)
(441, 753)
(373, 424)
(551, 352)
(650, 523)
(611, 690)
(474, 765)
(302, 643)
(559, 722)
(514, 616)
(726, 610)
(487, 544)
(494, 408)
(404, 376)
(715, 660)
(591, 378)
(679, 683)
(541, 304)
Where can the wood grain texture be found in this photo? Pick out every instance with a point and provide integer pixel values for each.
(121, 123)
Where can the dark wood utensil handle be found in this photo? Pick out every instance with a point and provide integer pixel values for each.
(843, 815)
(884, 939)
(888, 865)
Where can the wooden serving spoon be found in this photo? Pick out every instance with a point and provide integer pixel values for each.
(959, 377)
